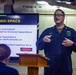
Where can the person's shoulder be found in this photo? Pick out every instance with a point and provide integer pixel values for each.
(12, 70)
(70, 28)
(7, 70)
(49, 28)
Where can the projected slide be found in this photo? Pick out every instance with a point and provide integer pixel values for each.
(19, 34)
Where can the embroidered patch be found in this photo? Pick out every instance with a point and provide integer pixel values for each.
(68, 33)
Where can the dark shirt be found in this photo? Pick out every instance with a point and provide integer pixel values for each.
(6, 70)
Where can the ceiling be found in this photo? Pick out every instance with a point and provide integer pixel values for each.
(62, 3)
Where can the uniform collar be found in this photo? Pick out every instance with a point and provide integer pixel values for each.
(65, 27)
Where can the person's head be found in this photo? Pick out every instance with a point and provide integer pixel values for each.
(59, 16)
(5, 52)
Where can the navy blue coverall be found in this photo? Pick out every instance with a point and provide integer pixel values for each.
(60, 56)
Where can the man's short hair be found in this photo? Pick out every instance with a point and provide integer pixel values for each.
(5, 52)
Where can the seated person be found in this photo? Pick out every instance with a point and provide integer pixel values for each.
(4, 56)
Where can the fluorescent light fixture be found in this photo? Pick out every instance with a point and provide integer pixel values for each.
(58, 1)
(42, 2)
(63, 1)
(68, 2)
